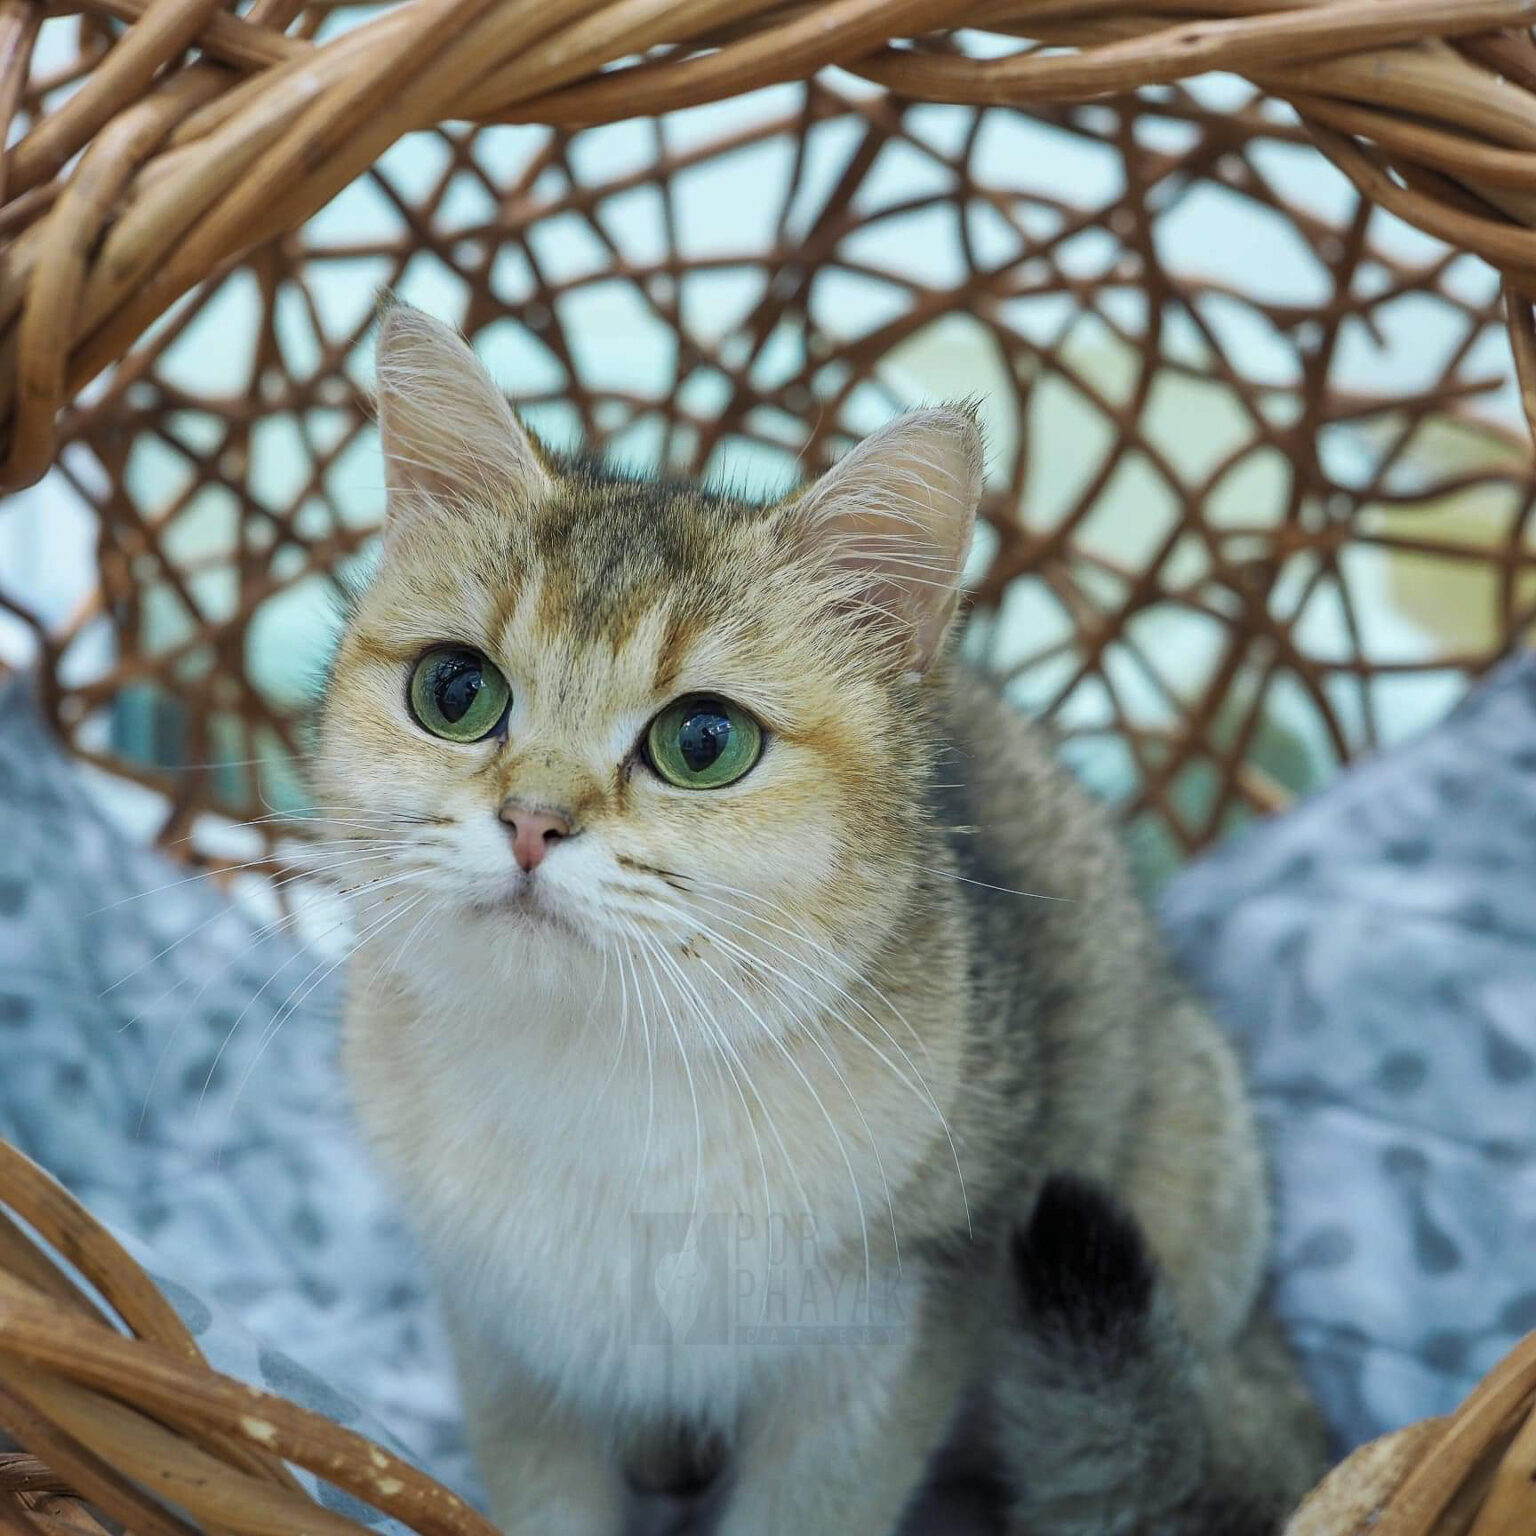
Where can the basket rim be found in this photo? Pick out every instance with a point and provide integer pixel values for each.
(184, 165)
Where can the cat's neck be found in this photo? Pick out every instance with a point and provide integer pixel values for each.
(545, 1075)
(542, 1030)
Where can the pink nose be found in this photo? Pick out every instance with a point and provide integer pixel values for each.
(534, 833)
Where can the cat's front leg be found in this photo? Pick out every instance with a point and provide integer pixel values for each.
(547, 1472)
(542, 1480)
(841, 1445)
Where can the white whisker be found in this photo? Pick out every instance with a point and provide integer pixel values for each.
(295, 1002)
(682, 1050)
(920, 1088)
(986, 885)
(788, 1055)
(650, 1070)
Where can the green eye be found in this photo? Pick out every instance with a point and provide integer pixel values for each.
(457, 694)
(703, 743)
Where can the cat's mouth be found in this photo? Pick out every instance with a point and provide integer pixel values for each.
(527, 899)
(521, 893)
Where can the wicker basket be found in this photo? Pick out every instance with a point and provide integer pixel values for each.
(1472, 1474)
(1426, 104)
(180, 145)
(162, 163)
(122, 1420)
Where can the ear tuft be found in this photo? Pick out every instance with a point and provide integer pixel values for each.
(448, 434)
(898, 511)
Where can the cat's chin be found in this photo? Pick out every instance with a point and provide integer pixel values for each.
(527, 906)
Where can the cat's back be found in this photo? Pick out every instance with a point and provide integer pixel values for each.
(1020, 825)
(1093, 1056)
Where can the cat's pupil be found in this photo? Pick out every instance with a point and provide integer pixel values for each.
(456, 686)
(703, 736)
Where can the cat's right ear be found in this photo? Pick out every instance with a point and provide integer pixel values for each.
(448, 434)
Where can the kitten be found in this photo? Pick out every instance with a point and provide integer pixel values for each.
(700, 1014)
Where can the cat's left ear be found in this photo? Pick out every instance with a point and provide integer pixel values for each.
(896, 514)
(447, 431)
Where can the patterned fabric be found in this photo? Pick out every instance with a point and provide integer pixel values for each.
(150, 1065)
(1376, 949)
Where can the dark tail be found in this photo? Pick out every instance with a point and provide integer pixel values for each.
(1110, 1422)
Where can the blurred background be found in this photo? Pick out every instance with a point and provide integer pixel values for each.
(1259, 487)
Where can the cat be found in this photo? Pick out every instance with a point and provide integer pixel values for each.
(759, 1025)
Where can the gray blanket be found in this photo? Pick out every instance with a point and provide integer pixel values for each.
(150, 1064)
(1374, 950)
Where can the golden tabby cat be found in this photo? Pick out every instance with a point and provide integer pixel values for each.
(766, 1139)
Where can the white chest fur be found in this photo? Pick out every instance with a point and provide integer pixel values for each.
(641, 1221)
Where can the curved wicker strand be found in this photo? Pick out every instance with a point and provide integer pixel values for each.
(1173, 53)
(1487, 1416)
(166, 30)
(40, 1200)
(52, 1211)
(63, 263)
(131, 1420)
(21, 1257)
(197, 1401)
(239, 40)
(293, 121)
(89, 1475)
(1509, 1509)
(19, 24)
(838, 32)
(1470, 1474)
(210, 1491)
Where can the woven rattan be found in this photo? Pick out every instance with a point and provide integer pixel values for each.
(178, 147)
(125, 1424)
(1425, 103)
(142, 186)
(1471, 1474)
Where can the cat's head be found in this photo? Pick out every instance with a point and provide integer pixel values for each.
(586, 710)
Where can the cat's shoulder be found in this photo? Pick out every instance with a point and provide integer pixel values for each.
(1015, 812)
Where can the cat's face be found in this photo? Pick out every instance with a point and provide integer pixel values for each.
(619, 716)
